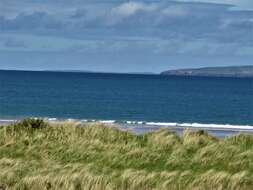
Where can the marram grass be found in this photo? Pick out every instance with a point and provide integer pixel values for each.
(40, 156)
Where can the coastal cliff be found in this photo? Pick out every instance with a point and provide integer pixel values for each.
(232, 71)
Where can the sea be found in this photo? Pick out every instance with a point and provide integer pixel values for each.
(130, 99)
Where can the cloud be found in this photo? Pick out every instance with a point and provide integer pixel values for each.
(131, 8)
(14, 43)
(238, 4)
(175, 10)
(142, 26)
(79, 13)
(34, 21)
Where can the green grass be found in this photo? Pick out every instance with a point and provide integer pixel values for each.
(37, 155)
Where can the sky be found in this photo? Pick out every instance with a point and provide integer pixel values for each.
(125, 36)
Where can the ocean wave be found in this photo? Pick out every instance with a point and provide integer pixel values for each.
(7, 120)
(108, 121)
(190, 125)
(182, 125)
(201, 125)
(149, 124)
(53, 119)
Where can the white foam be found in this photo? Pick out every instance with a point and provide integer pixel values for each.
(162, 124)
(52, 119)
(155, 124)
(107, 121)
(219, 126)
(201, 125)
(7, 120)
(135, 122)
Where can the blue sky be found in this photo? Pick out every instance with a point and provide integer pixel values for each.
(125, 36)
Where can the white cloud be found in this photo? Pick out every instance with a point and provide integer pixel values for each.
(14, 43)
(131, 8)
(220, 29)
(174, 10)
(240, 4)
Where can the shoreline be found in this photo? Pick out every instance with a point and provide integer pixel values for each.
(140, 127)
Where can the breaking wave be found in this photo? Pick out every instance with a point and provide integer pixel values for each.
(149, 124)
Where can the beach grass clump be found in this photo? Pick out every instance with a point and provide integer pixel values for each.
(70, 155)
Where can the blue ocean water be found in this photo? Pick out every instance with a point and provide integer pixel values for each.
(126, 97)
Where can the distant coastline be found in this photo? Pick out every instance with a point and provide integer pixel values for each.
(84, 71)
(230, 71)
(98, 72)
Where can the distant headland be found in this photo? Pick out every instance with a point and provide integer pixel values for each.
(245, 71)
(229, 71)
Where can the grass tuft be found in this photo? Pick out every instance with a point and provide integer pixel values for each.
(70, 155)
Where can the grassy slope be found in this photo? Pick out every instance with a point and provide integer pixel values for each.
(70, 156)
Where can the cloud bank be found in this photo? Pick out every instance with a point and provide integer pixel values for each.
(179, 27)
